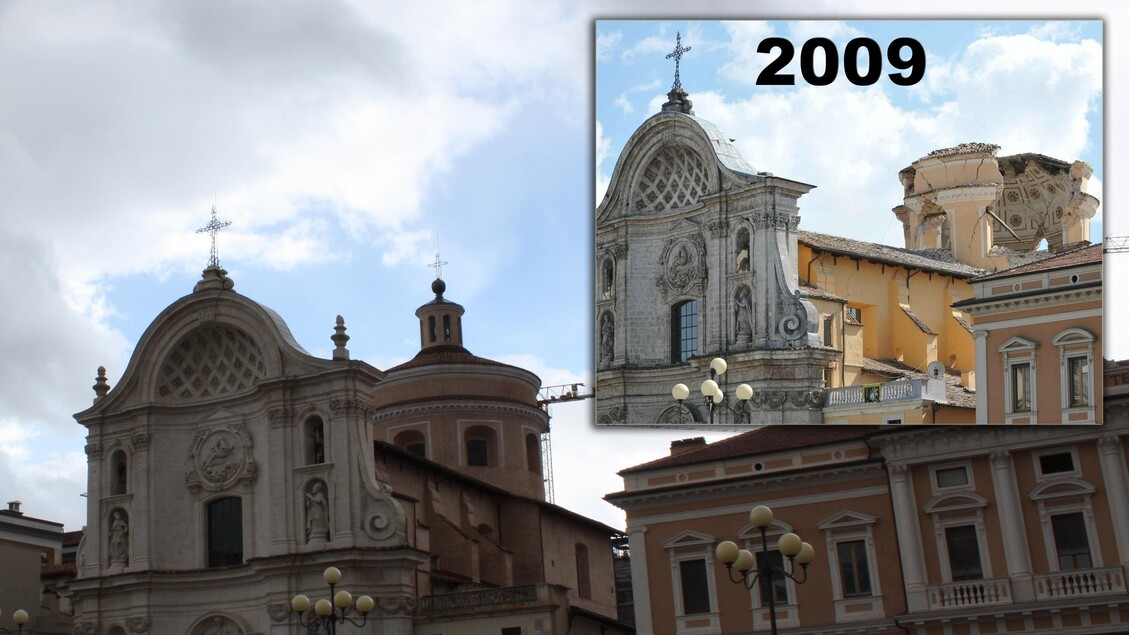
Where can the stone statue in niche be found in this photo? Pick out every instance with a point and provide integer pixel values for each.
(119, 540)
(607, 338)
(317, 514)
(743, 310)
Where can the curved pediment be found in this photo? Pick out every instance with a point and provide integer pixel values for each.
(1059, 488)
(956, 502)
(670, 163)
(210, 344)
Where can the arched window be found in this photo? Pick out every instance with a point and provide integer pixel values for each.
(583, 577)
(315, 441)
(607, 279)
(742, 249)
(479, 446)
(533, 453)
(119, 473)
(683, 331)
(431, 326)
(412, 442)
(225, 532)
(446, 328)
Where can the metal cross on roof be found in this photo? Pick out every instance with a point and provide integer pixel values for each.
(438, 264)
(677, 55)
(213, 228)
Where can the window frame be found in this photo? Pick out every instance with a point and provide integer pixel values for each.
(693, 545)
(954, 509)
(787, 612)
(678, 339)
(1017, 352)
(1037, 463)
(845, 527)
(1076, 344)
(209, 525)
(970, 485)
(1059, 496)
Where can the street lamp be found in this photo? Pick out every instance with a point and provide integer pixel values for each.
(713, 394)
(326, 617)
(790, 546)
(20, 618)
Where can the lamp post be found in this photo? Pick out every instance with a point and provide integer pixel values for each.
(20, 618)
(328, 614)
(743, 561)
(713, 394)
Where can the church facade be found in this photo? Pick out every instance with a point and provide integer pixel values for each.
(228, 468)
(700, 256)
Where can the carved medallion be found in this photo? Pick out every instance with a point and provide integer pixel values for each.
(219, 457)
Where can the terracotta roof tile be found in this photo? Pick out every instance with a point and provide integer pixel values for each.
(936, 260)
(774, 438)
(1087, 255)
(444, 355)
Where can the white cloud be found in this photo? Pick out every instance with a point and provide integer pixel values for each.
(606, 44)
(603, 145)
(624, 104)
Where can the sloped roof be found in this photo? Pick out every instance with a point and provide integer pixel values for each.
(936, 260)
(772, 438)
(1087, 255)
(955, 391)
(445, 355)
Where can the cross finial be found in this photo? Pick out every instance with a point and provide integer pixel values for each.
(438, 264)
(213, 228)
(676, 54)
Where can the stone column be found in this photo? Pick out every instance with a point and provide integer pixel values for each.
(1117, 491)
(641, 591)
(909, 538)
(1012, 530)
(980, 340)
(140, 516)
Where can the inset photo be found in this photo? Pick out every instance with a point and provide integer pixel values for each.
(826, 222)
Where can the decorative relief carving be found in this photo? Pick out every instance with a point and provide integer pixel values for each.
(397, 605)
(278, 611)
(1109, 443)
(718, 228)
(86, 628)
(140, 440)
(137, 624)
(615, 414)
(217, 625)
(775, 219)
(279, 416)
(899, 470)
(214, 359)
(683, 265)
(618, 250)
(93, 450)
(349, 406)
(221, 456)
(1000, 458)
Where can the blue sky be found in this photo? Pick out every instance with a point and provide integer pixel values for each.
(1028, 86)
(343, 140)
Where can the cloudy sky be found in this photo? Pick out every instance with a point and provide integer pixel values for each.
(346, 141)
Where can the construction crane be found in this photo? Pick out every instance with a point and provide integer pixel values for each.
(1116, 244)
(548, 396)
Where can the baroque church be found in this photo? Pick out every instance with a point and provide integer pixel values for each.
(700, 256)
(228, 468)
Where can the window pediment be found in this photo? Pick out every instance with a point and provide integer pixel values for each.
(1018, 343)
(689, 539)
(847, 518)
(1060, 488)
(956, 502)
(1073, 335)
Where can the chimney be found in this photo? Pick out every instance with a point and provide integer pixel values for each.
(14, 508)
(682, 446)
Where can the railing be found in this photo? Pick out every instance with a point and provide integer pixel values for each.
(1080, 583)
(897, 391)
(954, 595)
(484, 597)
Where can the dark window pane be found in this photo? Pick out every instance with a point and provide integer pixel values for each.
(1071, 542)
(511, 630)
(775, 559)
(477, 453)
(952, 477)
(695, 592)
(964, 553)
(854, 568)
(827, 331)
(1056, 463)
(417, 449)
(684, 331)
(225, 532)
